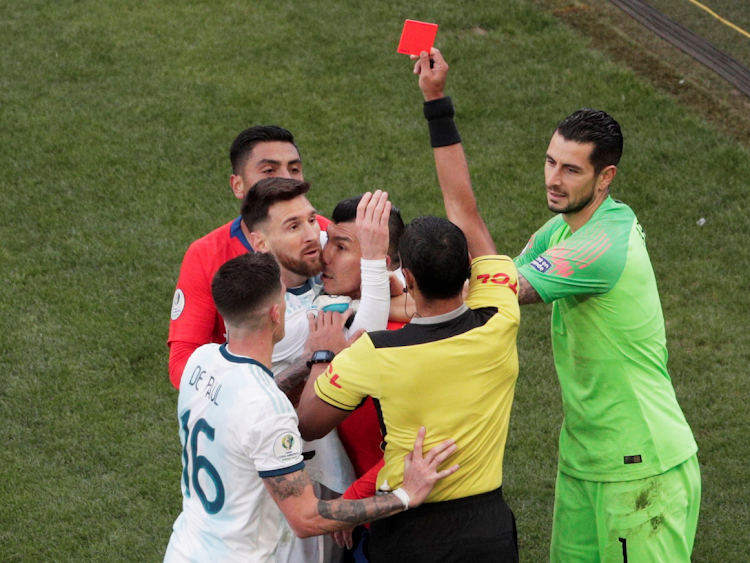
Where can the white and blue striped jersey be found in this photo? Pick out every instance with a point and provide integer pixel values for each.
(236, 427)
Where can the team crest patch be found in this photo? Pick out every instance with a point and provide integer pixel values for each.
(287, 447)
(540, 264)
(178, 304)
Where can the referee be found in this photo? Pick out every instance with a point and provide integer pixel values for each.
(453, 369)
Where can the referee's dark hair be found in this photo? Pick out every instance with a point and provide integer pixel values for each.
(592, 126)
(346, 212)
(245, 142)
(264, 194)
(243, 285)
(434, 250)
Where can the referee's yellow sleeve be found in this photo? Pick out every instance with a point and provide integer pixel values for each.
(494, 283)
(350, 377)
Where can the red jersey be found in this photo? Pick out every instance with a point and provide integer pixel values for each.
(194, 319)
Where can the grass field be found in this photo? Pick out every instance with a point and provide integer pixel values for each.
(115, 123)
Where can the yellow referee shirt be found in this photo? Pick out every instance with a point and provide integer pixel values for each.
(454, 374)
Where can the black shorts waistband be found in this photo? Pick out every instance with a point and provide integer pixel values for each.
(458, 504)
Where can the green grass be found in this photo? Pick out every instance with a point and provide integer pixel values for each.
(710, 28)
(115, 123)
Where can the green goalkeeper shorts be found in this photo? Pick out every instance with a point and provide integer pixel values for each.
(643, 521)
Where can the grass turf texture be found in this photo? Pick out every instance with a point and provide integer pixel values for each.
(116, 121)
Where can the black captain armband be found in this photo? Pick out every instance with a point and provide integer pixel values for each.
(443, 130)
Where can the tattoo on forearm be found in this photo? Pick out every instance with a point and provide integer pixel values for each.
(355, 512)
(290, 485)
(526, 292)
(292, 376)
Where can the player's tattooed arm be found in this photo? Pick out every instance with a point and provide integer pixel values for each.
(356, 512)
(353, 512)
(282, 487)
(526, 292)
(309, 516)
(291, 380)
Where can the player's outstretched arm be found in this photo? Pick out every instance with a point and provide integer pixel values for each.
(309, 516)
(450, 160)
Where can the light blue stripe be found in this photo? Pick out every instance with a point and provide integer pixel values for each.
(269, 387)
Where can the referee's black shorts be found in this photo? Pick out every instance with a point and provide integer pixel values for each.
(473, 529)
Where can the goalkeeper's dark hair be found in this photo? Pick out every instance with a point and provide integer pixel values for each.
(264, 194)
(242, 287)
(592, 126)
(346, 212)
(245, 142)
(434, 250)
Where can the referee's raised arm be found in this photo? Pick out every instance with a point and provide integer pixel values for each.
(450, 160)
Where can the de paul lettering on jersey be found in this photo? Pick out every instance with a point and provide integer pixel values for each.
(210, 391)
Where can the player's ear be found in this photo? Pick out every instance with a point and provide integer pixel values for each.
(238, 186)
(387, 262)
(275, 313)
(409, 278)
(606, 176)
(258, 241)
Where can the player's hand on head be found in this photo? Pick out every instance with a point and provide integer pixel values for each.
(421, 472)
(373, 213)
(432, 71)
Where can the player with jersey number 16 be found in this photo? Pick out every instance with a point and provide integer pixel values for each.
(241, 453)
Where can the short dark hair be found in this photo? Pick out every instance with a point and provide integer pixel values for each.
(434, 250)
(244, 284)
(592, 126)
(245, 142)
(264, 194)
(346, 212)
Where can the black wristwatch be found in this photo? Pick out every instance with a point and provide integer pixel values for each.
(320, 357)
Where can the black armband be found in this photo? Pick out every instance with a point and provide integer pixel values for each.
(443, 130)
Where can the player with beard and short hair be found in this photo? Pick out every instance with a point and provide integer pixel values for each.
(258, 152)
(283, 222)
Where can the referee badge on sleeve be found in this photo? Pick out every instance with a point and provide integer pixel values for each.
(287, 447)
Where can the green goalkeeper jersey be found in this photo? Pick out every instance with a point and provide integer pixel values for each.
(622, 420)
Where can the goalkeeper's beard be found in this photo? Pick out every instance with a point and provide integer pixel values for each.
(573, 206)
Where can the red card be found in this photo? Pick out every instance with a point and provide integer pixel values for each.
(417, 37)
